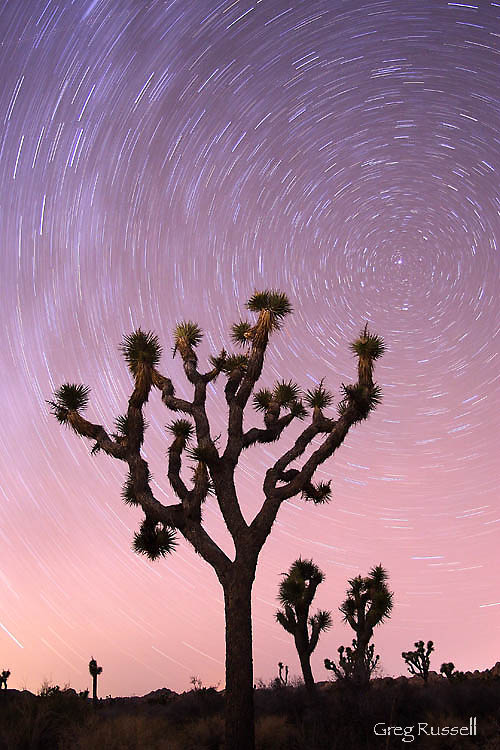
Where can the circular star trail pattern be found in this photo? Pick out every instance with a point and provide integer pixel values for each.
(160, 161)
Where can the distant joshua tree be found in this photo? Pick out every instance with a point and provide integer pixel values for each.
(296, 592)
(4, 676)
(418, 661)
(282, 678)
(214, 465)
(95, 671)
(448, 670)
(368, 604)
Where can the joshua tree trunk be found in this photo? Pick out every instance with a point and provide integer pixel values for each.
(305, 663)
(239, 661)
(361, 672)
(94, 689)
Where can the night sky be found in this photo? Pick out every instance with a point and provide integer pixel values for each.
(162, 160)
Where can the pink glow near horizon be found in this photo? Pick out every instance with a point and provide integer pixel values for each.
(160, 162)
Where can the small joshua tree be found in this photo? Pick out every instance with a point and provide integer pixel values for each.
(418, 661)
(368, 604)
(95, 671)
(282, 678)
(4, 676)
(447, 669)
(345, 669)
(215, 464)
(296, 592)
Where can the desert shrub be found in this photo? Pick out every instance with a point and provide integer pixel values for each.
(275, 733)
(202, 734)
(28, 722)
(125, 732)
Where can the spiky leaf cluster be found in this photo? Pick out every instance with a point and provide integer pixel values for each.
(128, 493)
(94, 669)
(378, 575)
(368, 346)
(121, 425)
(241, 333)
(293, 585)
(181, 428)
(217, 361)
(234, 362)
(262, 399)
(154, 540)
(123, 429)
(318, 493)
(363, 399)
(368, 599)
(286, 393)
(318, 397)
(200, 453)
(286, 619)
(321, 621)
(69, 397)
(188, 333)
(141, 348)
(298, 410)
(273, 302)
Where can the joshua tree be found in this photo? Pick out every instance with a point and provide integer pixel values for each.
(368, 603)
(4, 676)
(282, 678)
(348, 661)
(297, 590)
(95, 671)
(418, 661)
(447, 669)
(214, 464)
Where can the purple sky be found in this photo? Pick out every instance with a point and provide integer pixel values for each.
(161, 160)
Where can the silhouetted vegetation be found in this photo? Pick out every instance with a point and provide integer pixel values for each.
(95, 671)
(349, 659)
(296, 592)
(368, 604)
(214, 465)
(4, 676)
(60, 719)
(418, 661)
(282, 679)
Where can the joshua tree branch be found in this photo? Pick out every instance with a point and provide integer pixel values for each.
(238, 400)
(176, 516)
(314, 637)
(174, 468)
(269, 435)
(299, 480)
(168, 397)
(334, 439)
(115, 448)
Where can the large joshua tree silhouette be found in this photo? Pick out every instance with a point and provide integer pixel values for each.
(368, 603)
(215, 464)
(95, 671)
(296, 592)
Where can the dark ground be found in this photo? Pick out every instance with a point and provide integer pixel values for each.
(343, 717)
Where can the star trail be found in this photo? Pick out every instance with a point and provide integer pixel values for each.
(159, 161)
